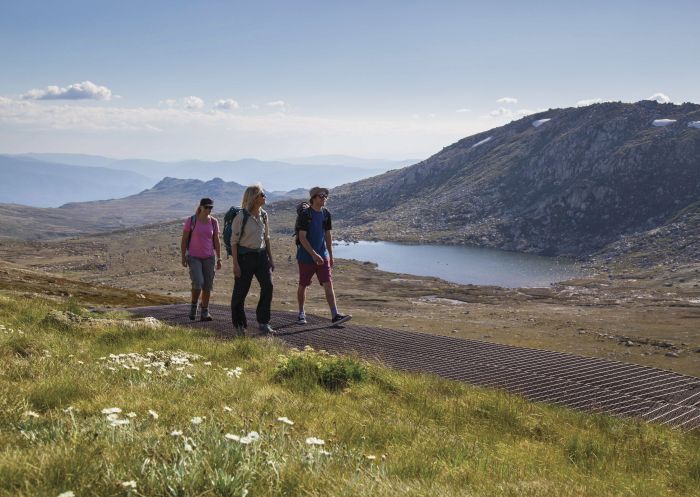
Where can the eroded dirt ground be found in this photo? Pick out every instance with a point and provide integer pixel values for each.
(650, 318)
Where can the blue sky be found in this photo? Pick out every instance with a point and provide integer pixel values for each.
(392, 79)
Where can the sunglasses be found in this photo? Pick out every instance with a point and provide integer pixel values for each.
(208, 207)
(262, 194)
(322, 195)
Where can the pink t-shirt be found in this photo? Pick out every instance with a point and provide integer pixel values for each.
(202, 240)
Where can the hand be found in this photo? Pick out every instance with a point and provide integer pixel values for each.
(218, 264)
(330, 259)
(318, 259)
(184, 261)
(237, 270)
(272, 265)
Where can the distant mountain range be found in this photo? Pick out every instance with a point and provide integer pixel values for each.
(564, 181)
(168, 200)
(28, 181)
(274, 175)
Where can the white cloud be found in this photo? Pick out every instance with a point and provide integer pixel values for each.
(660, 98)
(589, 101)
(5, 101)
(501, 111)
(170, 102)
(507, 100)
(276, 103)
(193, 103)
(462, 111)
(226, 104)
(86, 90)
(254, 106)
(170, 132)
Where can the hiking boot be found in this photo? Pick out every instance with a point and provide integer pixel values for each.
(205, 316)
(266, 328)
(193, 311)
(301, 319)
(340, 318)
(240, 330)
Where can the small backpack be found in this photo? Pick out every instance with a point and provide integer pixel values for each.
(304, 209)
(228, 225)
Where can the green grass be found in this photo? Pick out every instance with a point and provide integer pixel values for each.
(386, 433)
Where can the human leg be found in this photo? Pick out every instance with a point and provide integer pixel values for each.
(208, 270)
(264, 276)
(240, 291)
(197, 279)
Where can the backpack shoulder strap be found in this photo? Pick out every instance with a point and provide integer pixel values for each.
(193, 223)
(246, 215)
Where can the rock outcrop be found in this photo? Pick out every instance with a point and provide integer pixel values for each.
(576, 182)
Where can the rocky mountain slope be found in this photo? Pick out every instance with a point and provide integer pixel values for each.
(564, 181)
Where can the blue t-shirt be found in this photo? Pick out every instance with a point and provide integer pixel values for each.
(316, 236)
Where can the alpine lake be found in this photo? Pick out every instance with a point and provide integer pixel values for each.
(464, 265)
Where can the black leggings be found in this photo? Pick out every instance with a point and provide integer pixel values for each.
(252, 264)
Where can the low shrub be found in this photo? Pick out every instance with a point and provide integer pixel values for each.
(309, 368)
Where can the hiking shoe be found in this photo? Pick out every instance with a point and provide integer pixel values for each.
(301, 319)
(340, 318)
(205, 316)
(240, 330)
(266, 328)
(193, 311)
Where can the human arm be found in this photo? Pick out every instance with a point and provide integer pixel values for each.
(268, 248)
(186, 231)
(329, 246)
(217, 244)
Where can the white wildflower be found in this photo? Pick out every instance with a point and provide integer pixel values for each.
(285, 420)
(129, 484)
(131, 414)
(208, 363)
(175, 433)
(81, 362)
(315, 441)
(111, 410)
(188, 447)
(251, 437)
(32, 414)
(69, 409)
(119, 422)
(153, 414)
(190, 377)
(231, 436)
(371, 457)
(228, 409)
(69, 493)
(197, 420)
(324, 452)
(112, 417)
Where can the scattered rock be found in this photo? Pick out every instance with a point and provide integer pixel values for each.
(672, 354)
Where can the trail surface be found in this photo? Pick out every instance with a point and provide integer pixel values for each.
(578, 382)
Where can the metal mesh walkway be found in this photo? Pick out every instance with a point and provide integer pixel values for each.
(578, 382)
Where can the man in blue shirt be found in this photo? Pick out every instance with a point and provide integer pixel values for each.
(315, 252)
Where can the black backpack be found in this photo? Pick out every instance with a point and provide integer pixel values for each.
(228, 225)
(304, 209)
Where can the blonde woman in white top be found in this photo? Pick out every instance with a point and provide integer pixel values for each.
(252, 256)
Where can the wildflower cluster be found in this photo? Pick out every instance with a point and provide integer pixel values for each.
(10, 331)
(160, 361)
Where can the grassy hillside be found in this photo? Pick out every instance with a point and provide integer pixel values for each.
(97, 405)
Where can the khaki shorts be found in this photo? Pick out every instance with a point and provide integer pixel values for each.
(202, 272)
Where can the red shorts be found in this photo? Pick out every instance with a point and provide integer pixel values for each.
(307, 271)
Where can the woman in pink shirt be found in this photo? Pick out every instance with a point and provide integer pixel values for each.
(201, 251)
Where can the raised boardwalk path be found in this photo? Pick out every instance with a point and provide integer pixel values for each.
(578, 382)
